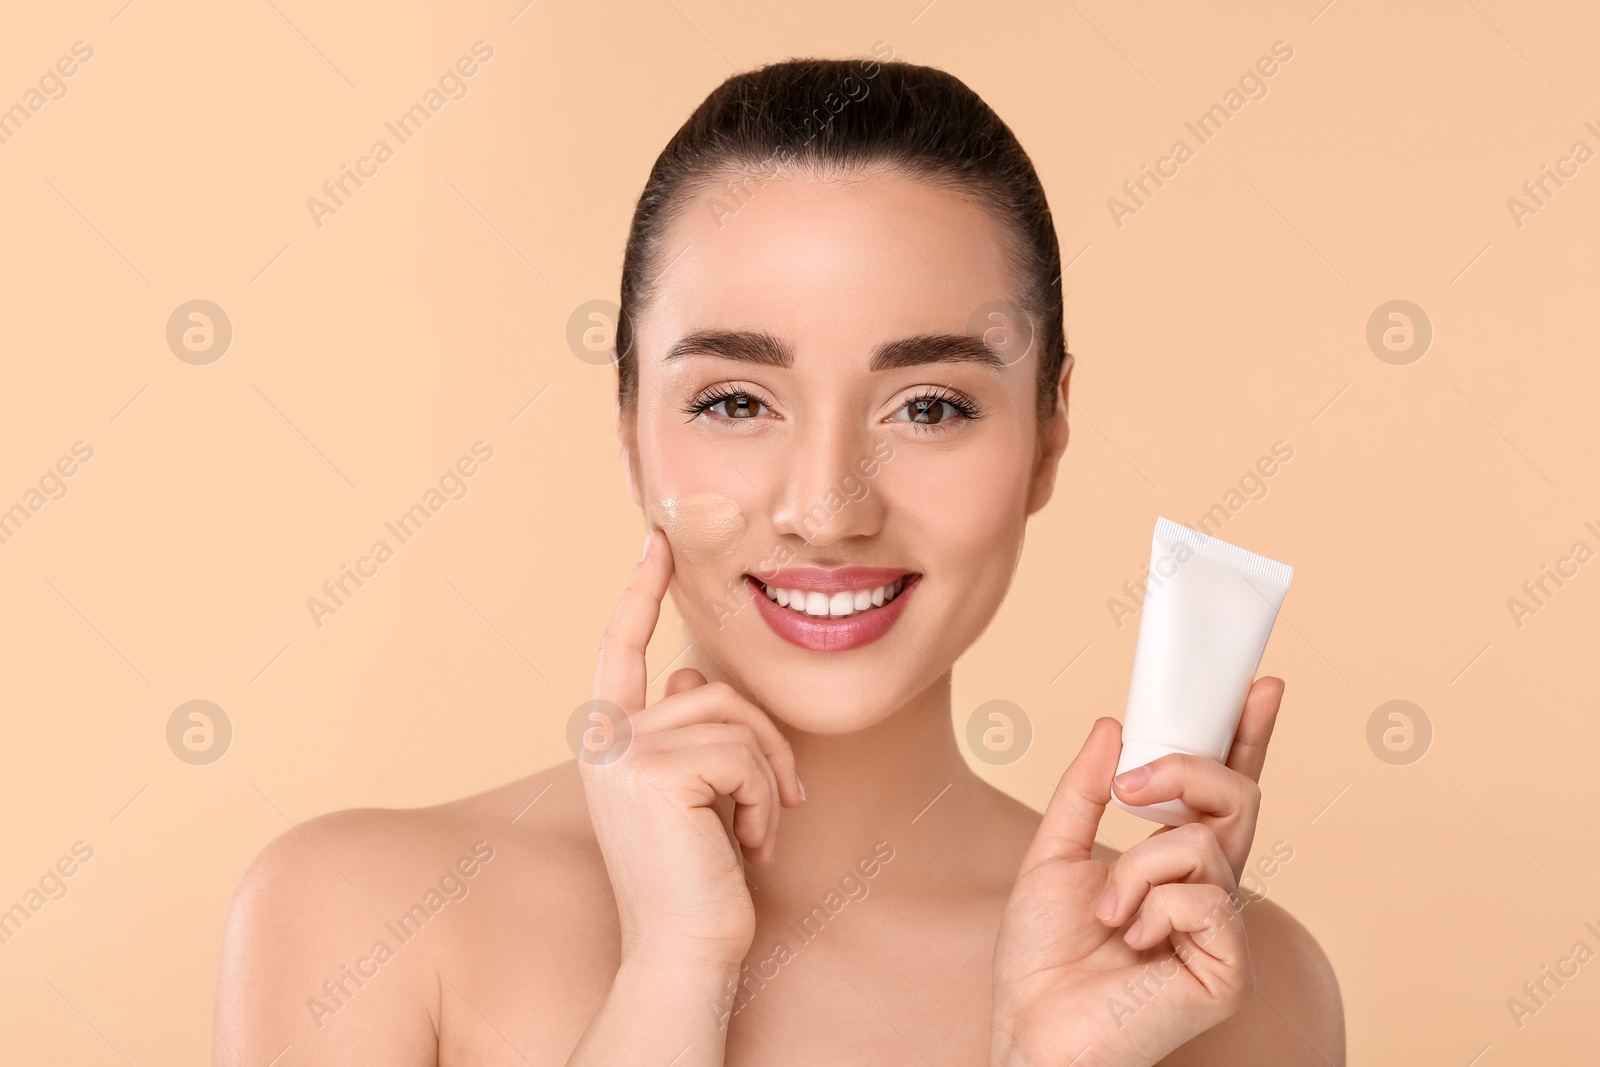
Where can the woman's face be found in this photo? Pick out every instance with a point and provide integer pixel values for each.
(818, 411)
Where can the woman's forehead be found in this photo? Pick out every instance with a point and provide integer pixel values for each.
(806, 257)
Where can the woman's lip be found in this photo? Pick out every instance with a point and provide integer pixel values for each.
(817, 633)
(831, 580)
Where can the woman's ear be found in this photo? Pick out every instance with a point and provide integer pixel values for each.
(1052, 443)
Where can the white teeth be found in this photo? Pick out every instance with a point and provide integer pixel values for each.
(835, 605)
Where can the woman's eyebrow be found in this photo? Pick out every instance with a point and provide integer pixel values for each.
(755, 346)
(934, 348)
(746, 346)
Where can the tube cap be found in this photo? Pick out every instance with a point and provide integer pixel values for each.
(1169, 812)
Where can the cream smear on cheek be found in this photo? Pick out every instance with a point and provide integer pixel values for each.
(702, 526)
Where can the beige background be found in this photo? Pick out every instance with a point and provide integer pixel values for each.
(368, 354)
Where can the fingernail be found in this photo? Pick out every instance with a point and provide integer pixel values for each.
(1108, 904)
(1130, 781)
(649, 539)
(1133, 931)
(802, 786)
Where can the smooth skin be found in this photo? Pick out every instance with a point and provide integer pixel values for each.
(801, 825)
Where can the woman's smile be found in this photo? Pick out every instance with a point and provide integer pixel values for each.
(833, 610)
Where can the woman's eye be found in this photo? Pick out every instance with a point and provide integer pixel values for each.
(935, 410)
(733, 406)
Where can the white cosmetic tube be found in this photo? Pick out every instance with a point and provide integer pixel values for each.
(1208, 610)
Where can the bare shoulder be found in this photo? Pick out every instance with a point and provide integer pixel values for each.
(341, 928)
(1294, 1015)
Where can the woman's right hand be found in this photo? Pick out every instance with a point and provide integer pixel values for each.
(676, 872)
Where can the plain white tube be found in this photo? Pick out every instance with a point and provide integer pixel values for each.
(1208, 609)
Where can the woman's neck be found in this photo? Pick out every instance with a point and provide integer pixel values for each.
(902, 781)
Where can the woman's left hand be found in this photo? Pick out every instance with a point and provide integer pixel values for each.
(1074, 980)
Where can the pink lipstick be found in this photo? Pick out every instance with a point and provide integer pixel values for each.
(832, 609)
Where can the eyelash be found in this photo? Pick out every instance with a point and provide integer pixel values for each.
(964, 406)
(716, 395)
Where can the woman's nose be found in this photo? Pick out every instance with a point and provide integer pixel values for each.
(828, 494)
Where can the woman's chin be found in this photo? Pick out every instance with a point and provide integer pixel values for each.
(823, 717)
(825, 699)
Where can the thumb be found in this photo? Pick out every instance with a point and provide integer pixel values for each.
(682, 680)
(1072, 817)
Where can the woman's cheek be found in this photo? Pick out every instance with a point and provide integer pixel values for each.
(970, 515)
(700, 527)
(701, 524)
(966, 501)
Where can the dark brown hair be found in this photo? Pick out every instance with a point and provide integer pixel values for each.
(827, 115)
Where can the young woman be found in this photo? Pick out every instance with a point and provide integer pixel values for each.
(786, 858)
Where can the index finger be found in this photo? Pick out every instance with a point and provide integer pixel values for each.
(1249, 752)
(1072, 817)
(619, 674)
